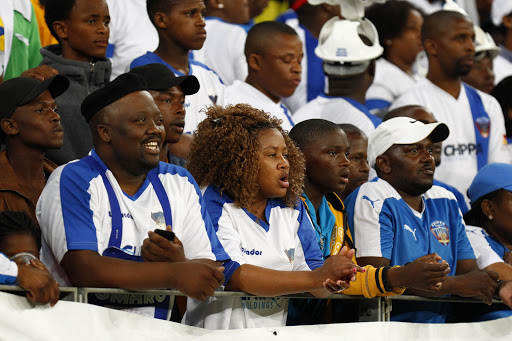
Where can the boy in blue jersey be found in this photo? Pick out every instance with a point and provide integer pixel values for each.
(96, 214)
(401, 216)
(181, 28)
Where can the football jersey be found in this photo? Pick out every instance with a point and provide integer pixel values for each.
(338, 110)
(389, 83)
(242, 92)
(131, 33)
(313, 78)
(383, 225)
(459, 163)
(502, 67)
(75, 212)
(8, 270)
(211, 91)
(223, 50)
(286, 243)
(488, 249)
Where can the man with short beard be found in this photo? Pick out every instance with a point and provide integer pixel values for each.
(474, 118)
(402, 216)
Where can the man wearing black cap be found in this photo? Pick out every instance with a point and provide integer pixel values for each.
(96, 212)
(168, 92)
(30, 126)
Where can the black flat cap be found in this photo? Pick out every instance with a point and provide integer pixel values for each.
(19, 91)
(121, 86)
(159, 77)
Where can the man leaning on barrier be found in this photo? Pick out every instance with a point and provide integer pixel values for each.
(402, 216)
(96, 212)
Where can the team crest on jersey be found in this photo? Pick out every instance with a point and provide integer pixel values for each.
(290, 253)
(483, 124)
(441, 232)
(159, 219)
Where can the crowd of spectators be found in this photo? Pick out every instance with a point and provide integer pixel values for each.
(178, 144)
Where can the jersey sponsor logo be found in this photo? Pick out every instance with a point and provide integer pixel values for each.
(408, 228)
(370, 200)
(441, 232)
(290, 253)
(123, 215)
(483, 124)
(462, 149)
(252, 252)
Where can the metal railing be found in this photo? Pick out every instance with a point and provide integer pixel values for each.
(375, 309)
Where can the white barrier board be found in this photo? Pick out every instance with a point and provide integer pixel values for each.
(21, 321)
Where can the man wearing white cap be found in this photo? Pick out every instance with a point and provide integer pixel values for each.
(474, 118)
(402, 216)
(501, 15)
(349, 50)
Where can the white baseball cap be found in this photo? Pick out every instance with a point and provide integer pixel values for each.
(485, 43)
(500, 8)
(402, 130)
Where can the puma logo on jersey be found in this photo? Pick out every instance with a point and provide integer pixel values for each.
(370, 200)
(407, 228)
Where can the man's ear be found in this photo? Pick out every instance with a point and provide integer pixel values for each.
(61, 29)
(9, 126)
(382, 164)
(254, 61)
(160, 20)
(104, 132)
(430, 47)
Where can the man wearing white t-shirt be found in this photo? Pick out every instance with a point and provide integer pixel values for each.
(274, 54)
(97, 213)
(474, 118)
(348, 50)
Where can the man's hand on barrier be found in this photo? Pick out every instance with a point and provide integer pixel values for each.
(505, 292)
(480, 285)
(158, 249)
(198, 280)
(338, 271)
(40, 285)
(424, 273)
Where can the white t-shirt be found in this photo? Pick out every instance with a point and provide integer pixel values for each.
(389, 83)
(484, 246)
(223, 50)
(313, 78)
(337, 110)
(242, 92)
(287, 243)
(502, 68)
(131, 33)
(459, 156)
(211, 89)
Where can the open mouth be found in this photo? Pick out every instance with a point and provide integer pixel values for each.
(153, 147)
(283, 181)
(344, 177)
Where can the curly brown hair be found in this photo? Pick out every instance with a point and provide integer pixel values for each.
(225, 150)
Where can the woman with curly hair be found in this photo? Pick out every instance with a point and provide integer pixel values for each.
(253, 174)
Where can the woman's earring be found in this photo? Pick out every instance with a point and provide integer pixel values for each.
(221, 6)
(490, 217)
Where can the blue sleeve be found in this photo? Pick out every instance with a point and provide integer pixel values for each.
(464, 248)
(387, 230)
(312, 253)
(77, 215)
